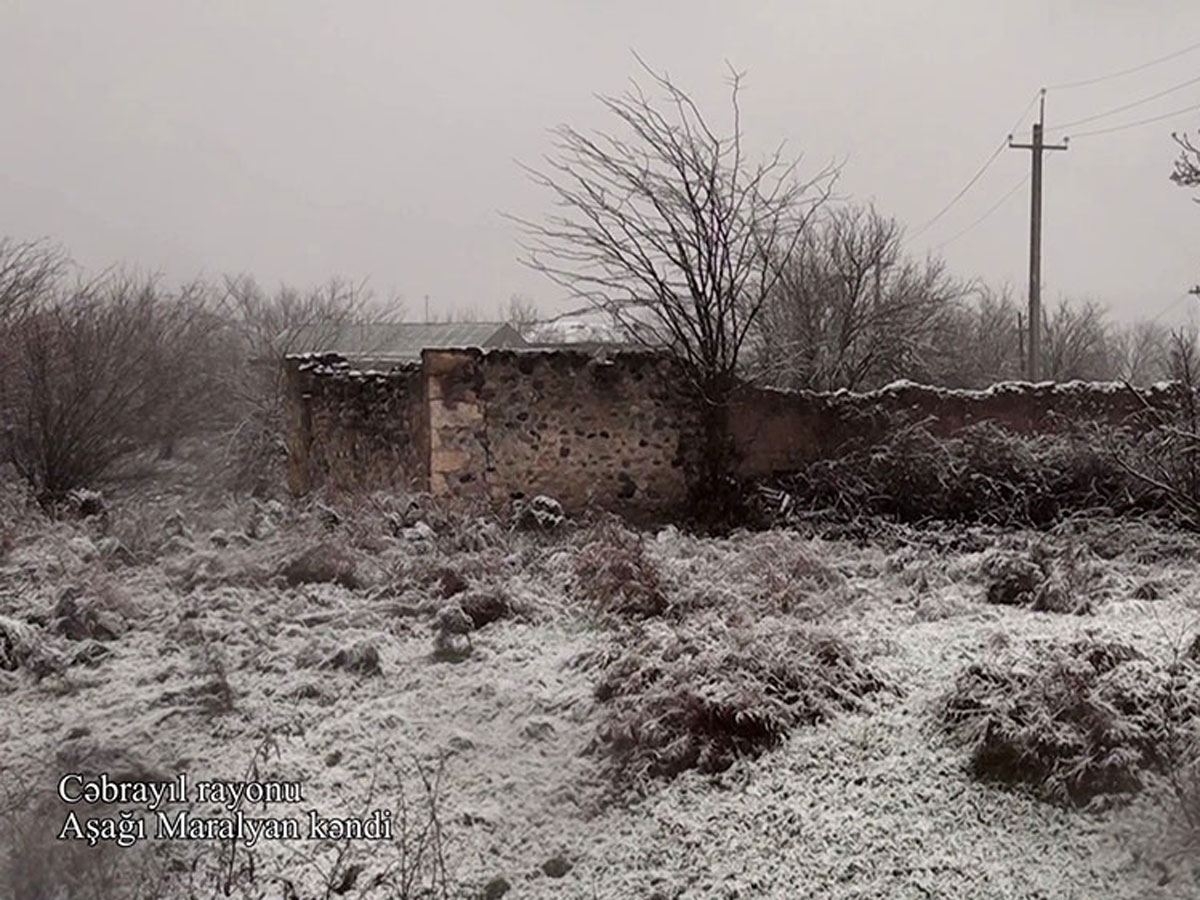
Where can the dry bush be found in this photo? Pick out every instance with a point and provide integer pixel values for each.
(17, 503)
(94, 371)
(99, 611)
(327, 562)
(214, 694)
(615, 574)
(1042, 580)
(1072, 720)
(19, 643)
(699, 699)
(140, 533)
(792, 579)
(415, 864)
(980, 474)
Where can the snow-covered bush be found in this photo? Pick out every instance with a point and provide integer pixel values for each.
(1042, 580)
(700, 697)
(1072, 720)
(982, 473)
(615, 574)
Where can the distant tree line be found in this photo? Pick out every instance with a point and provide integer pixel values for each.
(853, 311)
(97, 369)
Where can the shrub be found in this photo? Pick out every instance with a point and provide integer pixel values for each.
(792, 579)
(699, 700)
(1041, 580)
(981, 473)
(616, 575)
(94, 371)
(485, 607)
(18, 643)
(1073, 720)
(324, 563)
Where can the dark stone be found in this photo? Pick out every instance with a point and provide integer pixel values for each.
(485, 607)
(361, 659)
(496, 888)
(627, 488)
(556, 866)
(451, 583)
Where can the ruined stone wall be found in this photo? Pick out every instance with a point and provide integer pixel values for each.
(350, 429)
(614, 432)
(778, 431)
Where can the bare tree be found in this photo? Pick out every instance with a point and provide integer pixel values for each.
(263, 329)
(1141, 351)
(522, 314)
(668, 228)
(95, 370)
(1182, 352)
(851, 311)
(1187, 165)
(28, 270)
(1187, 169)
(982, 341)
(1076, 342)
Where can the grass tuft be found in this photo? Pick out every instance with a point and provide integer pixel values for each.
(616, 575)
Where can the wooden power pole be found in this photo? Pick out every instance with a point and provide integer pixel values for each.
(1036, 146)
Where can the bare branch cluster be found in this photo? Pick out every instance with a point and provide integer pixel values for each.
(668, 228)
(94, 369)
(1187, 166)
(851, 311)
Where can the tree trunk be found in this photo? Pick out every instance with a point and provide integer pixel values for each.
(716, 499)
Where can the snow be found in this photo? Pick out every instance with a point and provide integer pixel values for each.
(867, 805)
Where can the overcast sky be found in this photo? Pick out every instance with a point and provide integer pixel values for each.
(296, 139)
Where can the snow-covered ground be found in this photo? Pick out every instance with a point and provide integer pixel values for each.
(251, 641)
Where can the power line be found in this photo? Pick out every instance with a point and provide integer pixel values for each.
(991, 209)
(1177, 112)
(1146, 65)
(979, 174)
(1128, 106)
(1173, 304)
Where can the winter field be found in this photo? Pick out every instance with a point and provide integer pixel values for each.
(590, 711)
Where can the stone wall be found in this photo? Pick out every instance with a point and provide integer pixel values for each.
(614, 430)
(588, 429)
(778, 431)
(349, 429)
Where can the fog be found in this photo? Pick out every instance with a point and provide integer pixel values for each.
(297, 140)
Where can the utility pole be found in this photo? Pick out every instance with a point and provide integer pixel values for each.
(1036, 146)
